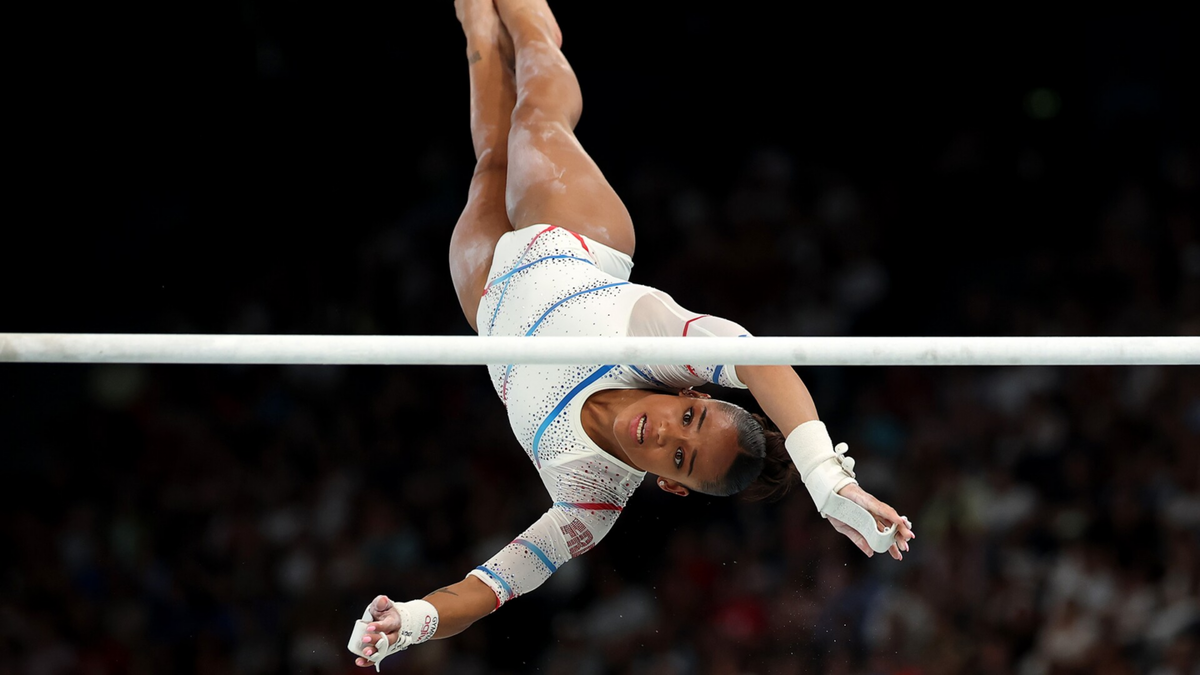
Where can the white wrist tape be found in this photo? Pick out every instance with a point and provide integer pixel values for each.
(825, 469)
(418, 623)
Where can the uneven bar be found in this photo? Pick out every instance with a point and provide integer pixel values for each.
(457, 350)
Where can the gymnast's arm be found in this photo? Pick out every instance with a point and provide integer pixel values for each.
(564, 532)
(782, 395)
(778, 389)
(460, 605)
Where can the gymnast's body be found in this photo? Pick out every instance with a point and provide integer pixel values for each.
(544, 248)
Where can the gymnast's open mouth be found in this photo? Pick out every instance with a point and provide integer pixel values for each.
(637, 428)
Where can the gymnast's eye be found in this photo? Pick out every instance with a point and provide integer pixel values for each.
(678, 458)
(687, 417)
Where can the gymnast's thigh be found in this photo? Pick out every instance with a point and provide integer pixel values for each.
(473, 243)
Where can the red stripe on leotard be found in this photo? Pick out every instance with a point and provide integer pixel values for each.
(685, 330)
(581, 241)
(596, 506)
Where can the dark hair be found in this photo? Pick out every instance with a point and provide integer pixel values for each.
(762, 468)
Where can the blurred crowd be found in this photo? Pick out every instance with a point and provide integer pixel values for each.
(237, 519)
(224, 519)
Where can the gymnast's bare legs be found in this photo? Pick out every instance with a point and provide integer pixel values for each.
(493, 96)
(551, 179)
(530, 167)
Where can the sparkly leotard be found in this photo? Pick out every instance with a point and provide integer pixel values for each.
(549, 281)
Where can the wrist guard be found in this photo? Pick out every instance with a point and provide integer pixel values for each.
(418, 623)
(825, 469)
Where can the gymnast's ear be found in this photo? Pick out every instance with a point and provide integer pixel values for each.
(668, 485)
(692, 393)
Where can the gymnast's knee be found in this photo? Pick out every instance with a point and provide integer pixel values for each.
(491, 162)
(538, 106)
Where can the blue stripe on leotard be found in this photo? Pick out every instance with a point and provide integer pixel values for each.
(537, 438)
(648, 378)
(538, 552)
(503, 584)
(508, 274)
(573, 295)
(509, 367)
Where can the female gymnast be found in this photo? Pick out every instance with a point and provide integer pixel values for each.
(544, 247)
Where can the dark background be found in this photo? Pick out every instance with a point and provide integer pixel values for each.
(281, 167)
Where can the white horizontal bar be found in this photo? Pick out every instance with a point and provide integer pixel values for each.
(471, 350)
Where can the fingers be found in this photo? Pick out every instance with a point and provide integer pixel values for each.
(388, 624)
(381, 604)
(904, 533)
(372, 639)
(384, 624)
(887, 516)
(860, 542)
(900, 545)
(903, 526)
(901, 540)
(369, 639)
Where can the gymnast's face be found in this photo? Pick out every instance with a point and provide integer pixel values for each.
(685, 439)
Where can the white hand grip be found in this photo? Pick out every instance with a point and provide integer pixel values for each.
(356, 644)
(860, 519)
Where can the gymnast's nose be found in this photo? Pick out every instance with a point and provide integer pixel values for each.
(666, 434)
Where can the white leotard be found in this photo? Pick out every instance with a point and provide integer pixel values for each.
(546, 280)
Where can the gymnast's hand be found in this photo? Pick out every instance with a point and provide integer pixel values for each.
(386, 622)
(885, 517)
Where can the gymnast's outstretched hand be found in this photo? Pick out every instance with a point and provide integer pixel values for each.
(885, 517)
(385, 622)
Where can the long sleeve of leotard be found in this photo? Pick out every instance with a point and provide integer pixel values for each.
(567, 530)
(656, 314)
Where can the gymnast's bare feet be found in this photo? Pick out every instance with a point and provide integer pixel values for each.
(510, 10)
(480, 22)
